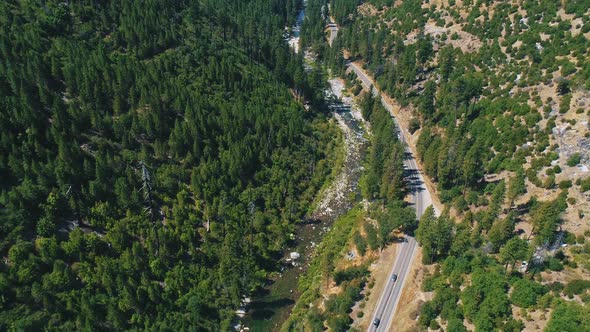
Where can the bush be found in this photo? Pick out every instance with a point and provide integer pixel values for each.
(556, 286)
(565, 184)
(350, 273)
(434, 325)
(574, 160)
(526, 292)
(576, 287)
(554, 264)
(456, 325)
(513, 325)
(564, 106)
(339, 322)
(414, 125)
(563, 86)
(360, 243)
(460, 204)
(568, 238)
(427, 314)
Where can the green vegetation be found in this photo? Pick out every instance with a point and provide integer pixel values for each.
(576, 287)
(384, 178)
(156, 157)
(570, 317)
(525, 293)
(383, 183)
(434, 234)
(154, 160)
(486, 136)
(574, 159)
(320, 272)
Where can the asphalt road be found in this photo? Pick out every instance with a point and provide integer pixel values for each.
(333, 32)
(389, 300)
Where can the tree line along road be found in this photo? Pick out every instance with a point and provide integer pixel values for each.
(421, 198)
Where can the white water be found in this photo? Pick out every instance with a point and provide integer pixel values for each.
(293, 39)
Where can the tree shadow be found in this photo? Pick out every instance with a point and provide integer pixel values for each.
(522, 209)
(413, 182)
(266, 309)
(310, 221)
(408, 155)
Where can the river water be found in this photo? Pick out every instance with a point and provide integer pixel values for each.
(293, 39)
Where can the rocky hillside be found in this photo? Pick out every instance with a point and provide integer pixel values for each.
(497, 96)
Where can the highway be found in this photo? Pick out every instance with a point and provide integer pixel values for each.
(421, 199)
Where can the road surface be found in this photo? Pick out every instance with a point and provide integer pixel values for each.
(388, 302)
(333, 32)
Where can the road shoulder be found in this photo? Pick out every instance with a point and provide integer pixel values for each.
(380, 271)
(412, 296)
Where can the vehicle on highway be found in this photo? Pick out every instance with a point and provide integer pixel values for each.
(394, 278)
(376, 322)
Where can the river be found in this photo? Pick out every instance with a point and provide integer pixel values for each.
(272, 306)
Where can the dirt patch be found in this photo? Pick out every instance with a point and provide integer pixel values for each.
(534, 320)
(368, 9)
(380, 270)
(466, 41)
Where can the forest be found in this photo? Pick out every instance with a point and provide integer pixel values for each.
(486, 137)
(155, 160)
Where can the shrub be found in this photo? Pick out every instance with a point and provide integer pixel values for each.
(554, 264)
(556, 286)
(574, 160)
(360, 243)
(564, 106)
(576, 287)
(568, 238)
(414, 125)
(434, 325)
(563, 86)
(565, 184)
(526, 292)
(349, 274)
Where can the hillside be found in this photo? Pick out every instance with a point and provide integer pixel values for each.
(496, 97)
(155, 160)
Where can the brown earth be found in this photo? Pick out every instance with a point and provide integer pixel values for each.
(412, 297)
(379, 276)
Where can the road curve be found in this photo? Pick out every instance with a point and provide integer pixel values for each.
(421, 198)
